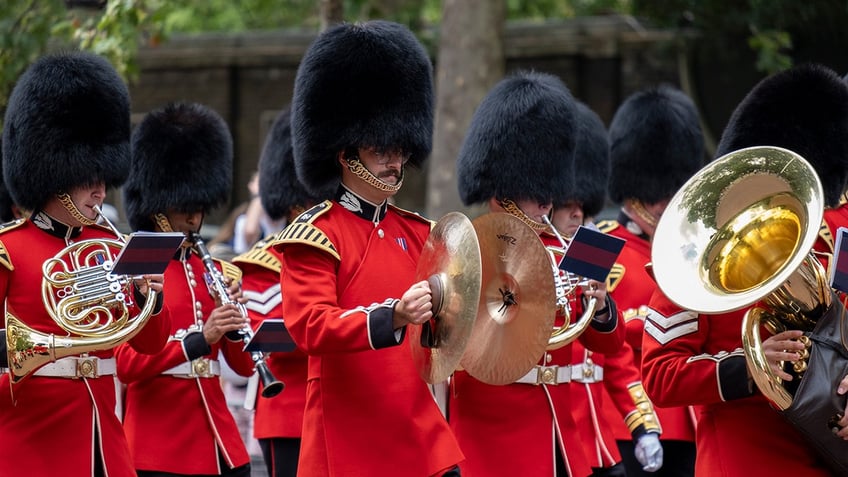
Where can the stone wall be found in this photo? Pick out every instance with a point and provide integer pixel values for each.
(248, 77)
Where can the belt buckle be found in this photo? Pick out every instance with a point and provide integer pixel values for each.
(200, 368)
(87, 368)
(547, 375)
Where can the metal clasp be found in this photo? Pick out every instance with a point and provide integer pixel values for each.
(87, 368)
(547, 375)
(200, 368)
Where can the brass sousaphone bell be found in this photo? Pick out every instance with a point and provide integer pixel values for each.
(738, 233)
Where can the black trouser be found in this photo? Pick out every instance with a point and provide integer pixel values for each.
(280, 455)
(678, 459)
(243, 471)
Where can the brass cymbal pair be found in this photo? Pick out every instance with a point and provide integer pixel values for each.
(493, 299)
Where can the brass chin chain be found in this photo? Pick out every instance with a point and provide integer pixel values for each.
(162, 222)
(640, 210)
(513, 209)
(72, 209)
(363, 173)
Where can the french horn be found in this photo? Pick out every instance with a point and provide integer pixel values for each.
(566, 285)
(84, 299)
(740, 232)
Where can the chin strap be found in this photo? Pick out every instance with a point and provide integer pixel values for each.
(163, 223)
(513, 209)
(72, 209)
(639, 209)
(360, 171)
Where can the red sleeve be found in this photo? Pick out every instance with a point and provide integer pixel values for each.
(692, 359)
(313, 316)
(153, 336)
(619, 373)
(601, 339)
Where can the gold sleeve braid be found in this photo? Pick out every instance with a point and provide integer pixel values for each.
(645, 416)
(615, 276)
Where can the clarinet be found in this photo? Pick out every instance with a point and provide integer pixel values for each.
(215, 281)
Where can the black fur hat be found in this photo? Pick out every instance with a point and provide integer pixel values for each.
(182, 159)
(279, 189)
(591, 163)
(656, 145)
(67, 125)
(521, 142)
(367, 84)
(6, 212)
(803, 109)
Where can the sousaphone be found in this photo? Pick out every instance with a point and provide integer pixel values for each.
(739, 233)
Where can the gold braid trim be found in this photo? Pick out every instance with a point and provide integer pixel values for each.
(229, 270)
(360, 171)
(72, 209)
(607, 226)
(615, 276)
(511, 208)
(644, 414)
(303, 232)
(260, 255)
(163, 223)
(639, 209)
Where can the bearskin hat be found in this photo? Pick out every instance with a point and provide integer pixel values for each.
(279, 189)
(656, 145)
(803, 109)
(521, 142)
(591, 163)
(182, 159)
(6, 211)
(367, 84)
(67, 125)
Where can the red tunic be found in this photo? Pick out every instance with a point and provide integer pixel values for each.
(282, 415)
(175, 424)
(513, 429)
(51, 429)
(698, 360)
(368, 412)
(593, 432)
(631, 287)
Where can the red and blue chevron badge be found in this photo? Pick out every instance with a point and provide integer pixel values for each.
(839, 267)
(591, 254)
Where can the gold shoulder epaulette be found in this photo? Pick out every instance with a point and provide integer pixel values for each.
(229, 270)
(5, 259)
(824, 233)
(414, 215)
(607, 226)
(261, 255)
(615, 276)
(302, 231)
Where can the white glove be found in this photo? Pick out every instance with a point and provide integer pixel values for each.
(649, 452)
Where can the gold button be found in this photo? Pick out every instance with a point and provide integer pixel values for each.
(548, 357)
(380, 233)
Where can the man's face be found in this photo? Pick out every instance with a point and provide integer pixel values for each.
(86, 197)
(386, 165)
(185, 222)
(568, 218)
(534, 209)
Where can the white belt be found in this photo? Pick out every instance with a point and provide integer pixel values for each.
(76, 367)
(198, 368)
(553, 375)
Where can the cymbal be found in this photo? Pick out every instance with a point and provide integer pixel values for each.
(450, 262)
(517, 301)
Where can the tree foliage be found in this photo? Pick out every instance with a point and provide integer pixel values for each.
(29, 28)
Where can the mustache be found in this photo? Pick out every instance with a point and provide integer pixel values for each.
(389, 173)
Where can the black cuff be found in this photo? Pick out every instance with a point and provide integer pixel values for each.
(4, 358)
(639, 432)
(733, 378)
(195, 345)
(141, 299)
(380, 325)
(608, 326)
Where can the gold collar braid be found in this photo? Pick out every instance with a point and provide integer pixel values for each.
(513, 209)
(72, 209)
(360, 171)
